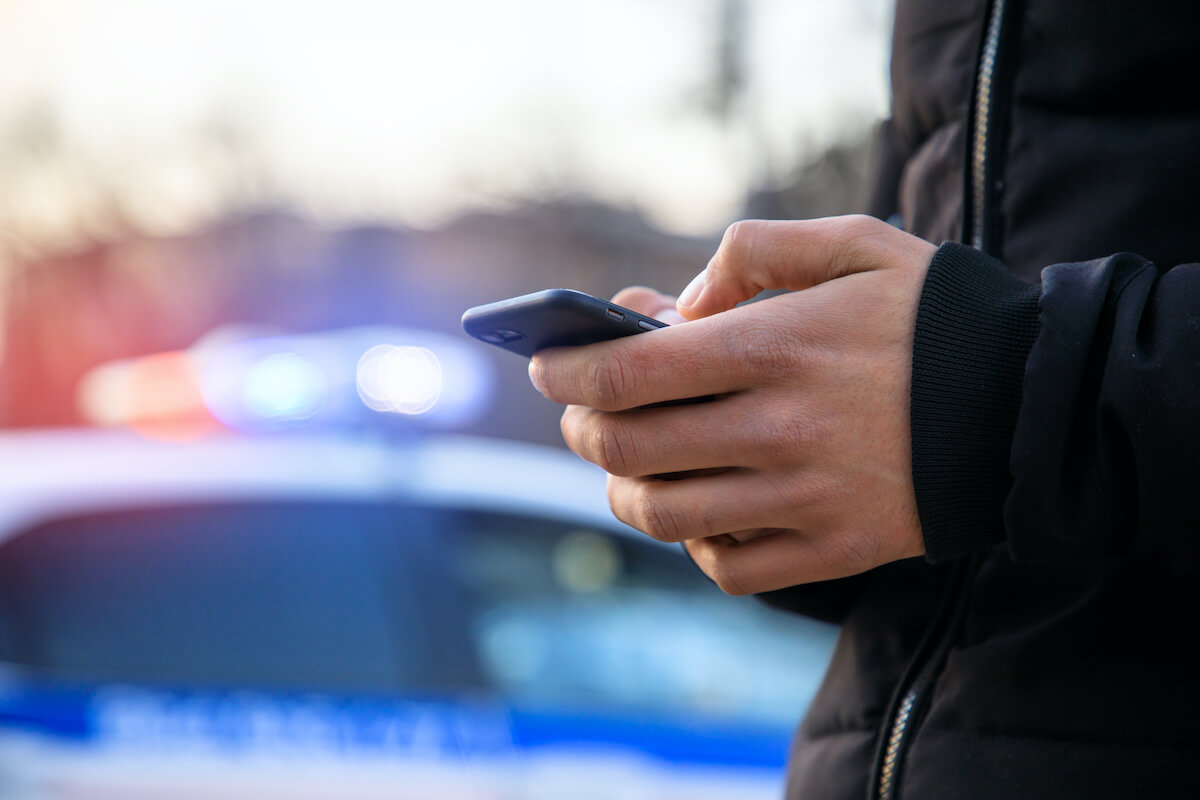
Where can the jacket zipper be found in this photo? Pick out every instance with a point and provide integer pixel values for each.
(891, 757)
(981, 125)
(908, 704)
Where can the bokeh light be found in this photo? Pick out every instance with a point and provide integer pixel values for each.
(158, 396)
(400, 378)
(284, 386)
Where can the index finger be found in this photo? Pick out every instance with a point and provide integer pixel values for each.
(673, 363)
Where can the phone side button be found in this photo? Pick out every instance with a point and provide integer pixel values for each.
(646, 326)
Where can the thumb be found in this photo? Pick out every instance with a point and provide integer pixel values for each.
(756, 255)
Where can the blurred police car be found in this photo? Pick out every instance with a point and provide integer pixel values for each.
(249, 597)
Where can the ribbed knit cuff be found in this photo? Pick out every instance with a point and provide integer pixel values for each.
(975, 327)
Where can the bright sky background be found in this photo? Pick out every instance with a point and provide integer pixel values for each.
(409, 111)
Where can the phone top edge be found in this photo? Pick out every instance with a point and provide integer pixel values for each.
(508, 313)
(559, 296)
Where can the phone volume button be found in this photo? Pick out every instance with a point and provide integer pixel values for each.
(646, 326)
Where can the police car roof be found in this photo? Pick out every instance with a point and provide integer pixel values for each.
(55, 473)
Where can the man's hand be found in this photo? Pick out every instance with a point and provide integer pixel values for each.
(800, 469)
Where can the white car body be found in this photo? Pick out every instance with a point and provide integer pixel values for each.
(122, 739)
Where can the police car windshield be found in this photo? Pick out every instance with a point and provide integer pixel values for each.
(392, 599)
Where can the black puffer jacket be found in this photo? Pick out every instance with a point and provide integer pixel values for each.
(1045, 648)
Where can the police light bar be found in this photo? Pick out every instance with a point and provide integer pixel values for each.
(253, 380)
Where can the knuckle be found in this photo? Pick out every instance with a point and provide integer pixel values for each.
(789, 433)
(741, 238)
(658, 519)
(609, 382)
(864, 233)
(613, 448)
(806, 431)
(814, 492)
(842, 240)
(851, 553)
(738, 232)
(860, 223)
(854, 226)
(764, 350)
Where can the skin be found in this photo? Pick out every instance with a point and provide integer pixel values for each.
(799, 468)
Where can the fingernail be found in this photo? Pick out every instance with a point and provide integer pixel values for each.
(691, 292)
(533, 376)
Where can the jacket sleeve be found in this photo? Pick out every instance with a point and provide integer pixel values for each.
(1063, 419)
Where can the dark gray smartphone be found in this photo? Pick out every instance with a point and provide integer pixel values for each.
(552, 318)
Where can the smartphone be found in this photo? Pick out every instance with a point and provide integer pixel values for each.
(552, 318)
